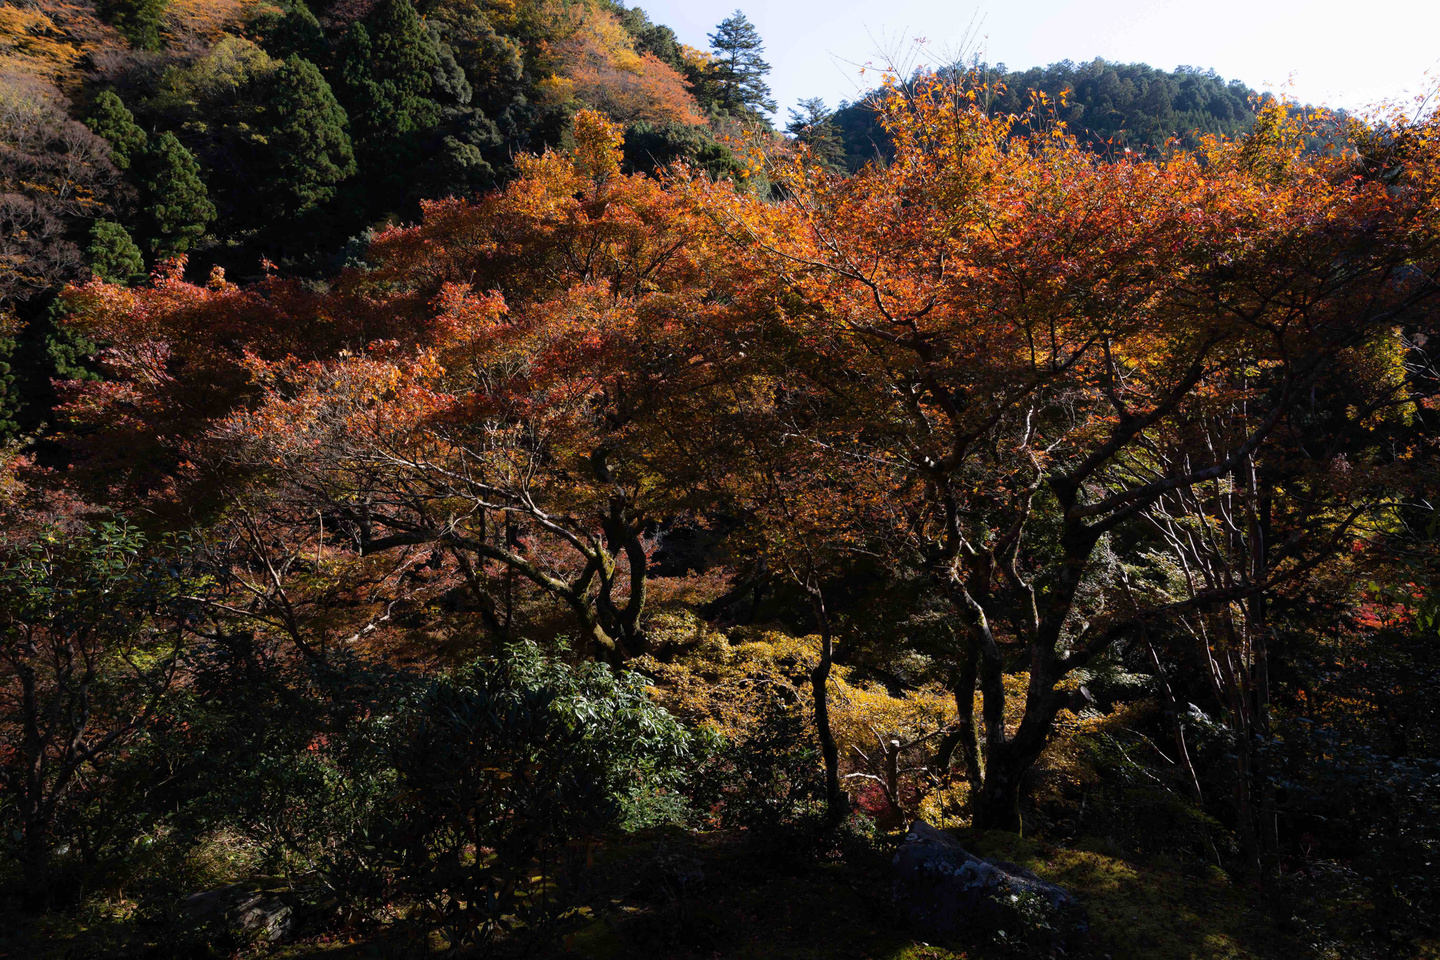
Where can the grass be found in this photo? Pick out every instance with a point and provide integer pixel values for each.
(1155, 910)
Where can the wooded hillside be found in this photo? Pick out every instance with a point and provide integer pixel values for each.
(471, 485)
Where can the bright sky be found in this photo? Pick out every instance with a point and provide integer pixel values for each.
(1332, 52)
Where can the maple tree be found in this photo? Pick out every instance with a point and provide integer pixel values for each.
(599, 63)
(90, 638)
(997, 363)
(471, 392)
(1011, 350)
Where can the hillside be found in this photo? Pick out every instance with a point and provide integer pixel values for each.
(472, 485)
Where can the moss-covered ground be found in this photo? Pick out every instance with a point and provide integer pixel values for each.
(740, 900)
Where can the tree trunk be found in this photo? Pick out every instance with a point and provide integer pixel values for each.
(966, 735)
(837, 803)
(997, 805)
(34, 864)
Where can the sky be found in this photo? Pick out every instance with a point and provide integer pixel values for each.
(1338, 54)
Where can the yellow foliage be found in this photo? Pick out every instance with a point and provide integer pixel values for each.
(198, 22)
(596, 63)
(942, 805)
(859, 713)
(47, 42)
(597, 146)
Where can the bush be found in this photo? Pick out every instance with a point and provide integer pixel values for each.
(768, 779)
(472, 808)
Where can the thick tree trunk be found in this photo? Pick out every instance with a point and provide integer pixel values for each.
(34, 864)
(997, 805)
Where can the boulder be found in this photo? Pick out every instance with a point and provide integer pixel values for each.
(250, 911)
(944, 892)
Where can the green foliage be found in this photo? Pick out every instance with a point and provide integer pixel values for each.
(517, 758)
(1147, 909)
(139, 20)
(69, 355)
(651, 147)
(110, 120)
(740, 68)
(447, 796)
(177, 205)
(311, 145)
(1118, 106)
(654, 38)
(388, 66)
(113, 256)
(768, 780)
(1375, 812)
(44, 351)
(1111, 107)
(291, 29)
(10, 399)
(811, 124)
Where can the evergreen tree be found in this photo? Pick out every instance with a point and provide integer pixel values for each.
(139, 20)
(113, 256)
(653, 38)
(811, 124)
(42, 351)
(110, 120)
(292, 29)
(177, 205)
(70, 355)
(740, 69)
(9, 388)
(388, 66)
(649, 147)
(312, 147)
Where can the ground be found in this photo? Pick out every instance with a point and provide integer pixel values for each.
(683, 895)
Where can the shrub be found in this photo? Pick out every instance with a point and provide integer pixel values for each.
(477, 814)
(768, 779)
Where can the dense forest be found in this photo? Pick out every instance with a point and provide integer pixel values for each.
(472, 483)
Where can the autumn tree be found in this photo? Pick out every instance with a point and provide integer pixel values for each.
(1009, 352)
(473, 395)
(54, 176)
(599, 62)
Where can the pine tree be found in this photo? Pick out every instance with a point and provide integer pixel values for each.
(811, 124)
(110, 120)
(113, 256)
(9, 387)
(312, 148)
(139, 20)
(388, 66)
(740, 69)
(178, 208)
(292, 28)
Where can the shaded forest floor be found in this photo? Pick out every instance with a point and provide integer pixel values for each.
(684, 895)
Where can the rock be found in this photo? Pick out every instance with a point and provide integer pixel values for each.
(251, 911)
(945, 892)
